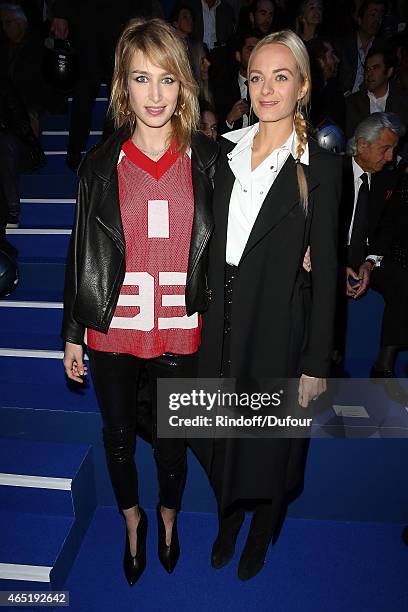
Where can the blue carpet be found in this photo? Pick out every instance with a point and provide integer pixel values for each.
(315, 566)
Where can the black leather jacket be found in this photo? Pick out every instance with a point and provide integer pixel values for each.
(96, 257)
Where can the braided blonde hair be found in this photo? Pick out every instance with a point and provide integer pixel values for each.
(296, 45)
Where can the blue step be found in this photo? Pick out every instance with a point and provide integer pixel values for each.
(34, 540)
(22, 385)
(38, 476)
(31, 328)
(57, 140)
(47, 496)
(49, 186)
(39, 281)
(47, 214)
(61, 122)
(40, 243)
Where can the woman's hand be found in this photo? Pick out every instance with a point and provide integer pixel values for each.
(310, 388)
(74, 362)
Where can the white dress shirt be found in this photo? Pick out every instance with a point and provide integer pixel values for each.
(377, 105)
(210, 30)
(251, 186)
(361, 58)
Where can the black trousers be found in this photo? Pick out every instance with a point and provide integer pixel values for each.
(115, 378)
(95, 46)
(391, 280)
(13, 153)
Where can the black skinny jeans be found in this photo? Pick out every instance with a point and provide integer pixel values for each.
(115, 378)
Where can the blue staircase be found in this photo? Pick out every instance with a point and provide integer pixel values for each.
(48, 489)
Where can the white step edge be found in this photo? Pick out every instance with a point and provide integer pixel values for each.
(32, 353)
(31, 573)
(47, 200)
(104, 99)
(16, 304)
(66, 133)
(35, 482)
(35, 232)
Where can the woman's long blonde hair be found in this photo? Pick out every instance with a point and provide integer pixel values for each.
(163, 47)
(289, 39)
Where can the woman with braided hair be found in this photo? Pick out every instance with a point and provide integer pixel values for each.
(276, 193)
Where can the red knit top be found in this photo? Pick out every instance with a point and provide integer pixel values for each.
(156, 207)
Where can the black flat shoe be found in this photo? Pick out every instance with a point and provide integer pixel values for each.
(224, 546)
(168, 554)
(135, 566)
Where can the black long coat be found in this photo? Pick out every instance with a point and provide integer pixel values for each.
(282, 317)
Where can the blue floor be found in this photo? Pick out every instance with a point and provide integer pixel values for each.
(315, 567)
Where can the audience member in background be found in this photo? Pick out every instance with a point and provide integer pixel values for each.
(381, 94)
(390, 274)
(200, 61)
(208, 120)
(21, 60)
(262, 16)
(353, 50)
(213, 21)
(231, 92)
(309, 19)
(182, 19)
(20, 150)
(327, 102)
(93, 26)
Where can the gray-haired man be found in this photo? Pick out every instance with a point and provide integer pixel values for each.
(364, 194)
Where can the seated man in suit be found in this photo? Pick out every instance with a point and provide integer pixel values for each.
(380, 94)
(364, 194)
(354, 49)
(362, 206)
(231, 97)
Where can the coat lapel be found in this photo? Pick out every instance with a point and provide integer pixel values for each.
(282, 197)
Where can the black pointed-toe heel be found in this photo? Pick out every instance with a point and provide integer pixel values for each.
(224, 546)
(135, 566)
(168, 554)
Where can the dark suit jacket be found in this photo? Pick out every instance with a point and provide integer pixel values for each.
(358, 107)
(224, 21)
(225, 96)
(381, 184)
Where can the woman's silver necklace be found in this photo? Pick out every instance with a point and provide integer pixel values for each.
(152, 153)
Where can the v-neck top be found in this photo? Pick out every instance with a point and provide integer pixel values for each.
(157, 208)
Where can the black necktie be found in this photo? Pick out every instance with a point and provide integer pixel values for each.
(359, 233)
(251, 116)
